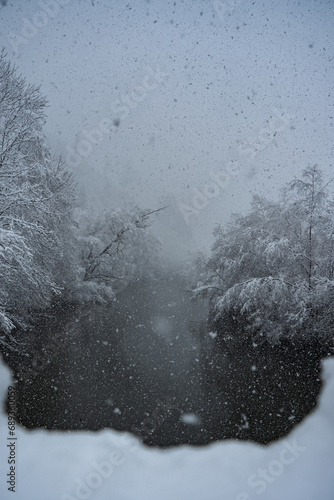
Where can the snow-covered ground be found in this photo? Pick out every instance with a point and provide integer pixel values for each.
(109, 465)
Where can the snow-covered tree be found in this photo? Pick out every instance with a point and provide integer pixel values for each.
(270, 274)
(112, 249)
(36, 193)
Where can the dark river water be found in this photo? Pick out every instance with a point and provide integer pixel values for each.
(147, 363)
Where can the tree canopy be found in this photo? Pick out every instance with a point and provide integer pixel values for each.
(270, 272)
(35, 202)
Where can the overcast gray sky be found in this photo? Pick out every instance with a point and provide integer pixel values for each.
(178, 90)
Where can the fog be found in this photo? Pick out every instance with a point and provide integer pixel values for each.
(166, 246)
(150, 101)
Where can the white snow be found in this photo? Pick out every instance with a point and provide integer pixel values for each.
(190, 419)
(213, 335)
(110, 465)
